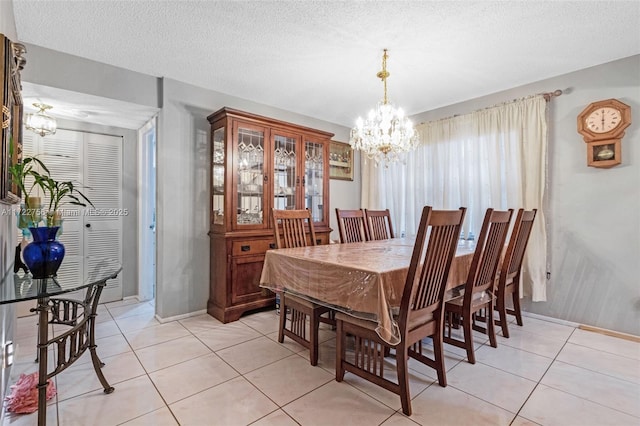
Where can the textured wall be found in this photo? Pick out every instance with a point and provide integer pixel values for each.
(183, 179)
(592, 214)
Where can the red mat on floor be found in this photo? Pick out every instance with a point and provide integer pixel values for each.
(24, 394)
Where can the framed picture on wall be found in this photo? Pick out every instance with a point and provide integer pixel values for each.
(11, 63)
(340, 161)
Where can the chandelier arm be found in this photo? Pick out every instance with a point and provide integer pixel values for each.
(387, 132)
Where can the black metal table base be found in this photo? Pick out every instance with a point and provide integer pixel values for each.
(80, 315)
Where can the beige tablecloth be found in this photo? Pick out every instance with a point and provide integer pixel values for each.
(365, 280)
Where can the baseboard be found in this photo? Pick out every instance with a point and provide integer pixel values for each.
(550, 319)
(611, 333)
(179, 317)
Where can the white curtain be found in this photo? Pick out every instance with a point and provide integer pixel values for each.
(492, 158)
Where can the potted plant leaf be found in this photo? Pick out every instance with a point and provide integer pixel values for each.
(60, 193)
(44, 254)
(19, 174)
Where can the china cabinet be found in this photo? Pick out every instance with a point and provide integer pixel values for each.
(258, 163)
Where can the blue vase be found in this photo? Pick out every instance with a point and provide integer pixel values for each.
(44, 254)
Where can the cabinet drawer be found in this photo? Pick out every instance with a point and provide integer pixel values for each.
(242, 248)
(322, 239)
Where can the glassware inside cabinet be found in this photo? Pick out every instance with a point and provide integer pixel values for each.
(217, 176)
(314, 179)
(284, 173)
(250, 176)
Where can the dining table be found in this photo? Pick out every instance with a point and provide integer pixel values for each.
(363, 279)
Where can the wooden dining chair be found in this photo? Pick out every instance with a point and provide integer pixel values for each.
(352, 226)
(509, 281)
(479, 290)
(294, 228)
(420, 314)
(379, 224)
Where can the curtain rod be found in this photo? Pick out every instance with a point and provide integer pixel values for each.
(546, 95)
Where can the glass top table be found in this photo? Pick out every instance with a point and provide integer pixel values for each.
(78, 315)
(19, 287)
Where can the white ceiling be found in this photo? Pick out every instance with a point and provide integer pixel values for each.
(320, 58)
(83, 107)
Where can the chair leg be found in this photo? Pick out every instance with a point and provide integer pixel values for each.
(403, 377)
(491, 329)
(516, 307)
(340, 351)
(502, 311)
(313, 338)
(283, 318)
(468, 338)
(438, 356)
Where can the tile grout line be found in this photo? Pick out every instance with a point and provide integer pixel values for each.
(148, 377)
(542, 377)
(554, 362)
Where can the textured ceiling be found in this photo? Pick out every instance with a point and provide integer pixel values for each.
(83, 107)
(319, 58)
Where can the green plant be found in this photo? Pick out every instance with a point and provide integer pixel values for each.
(59, 192)
(18, 175)
(20, 171)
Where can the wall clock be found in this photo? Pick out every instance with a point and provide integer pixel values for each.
(602, 125)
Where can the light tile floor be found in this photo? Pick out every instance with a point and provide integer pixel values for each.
(198, 371)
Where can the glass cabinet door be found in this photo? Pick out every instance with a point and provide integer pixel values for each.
(285, 179)
(250, 176)
(314, 179)
(217, 177)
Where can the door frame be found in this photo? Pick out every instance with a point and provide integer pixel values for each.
(147, 163)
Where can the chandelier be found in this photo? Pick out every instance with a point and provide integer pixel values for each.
(386, 133)
(40, 122)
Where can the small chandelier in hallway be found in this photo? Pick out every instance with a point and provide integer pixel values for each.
(40, 122)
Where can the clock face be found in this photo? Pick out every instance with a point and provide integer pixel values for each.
(603, 120)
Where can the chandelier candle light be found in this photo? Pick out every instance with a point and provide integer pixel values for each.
(386, 133)
(40, 122)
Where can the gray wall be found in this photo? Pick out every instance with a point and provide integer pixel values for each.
(63, 71)
(593, 220)
(129, 197)
(7, 22)
(593, 249)
(183, 244)
(183, 182)
(345, 194)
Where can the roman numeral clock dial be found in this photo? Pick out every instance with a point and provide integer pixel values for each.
(603, 120)
(602, 126)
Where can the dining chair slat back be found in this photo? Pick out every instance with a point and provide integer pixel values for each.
(290, 228)
(420, 314)
(489, 249)
(509, 281)
(352, 226)
(293, 225)
(433, 270)
(379, 224)
(479, 290)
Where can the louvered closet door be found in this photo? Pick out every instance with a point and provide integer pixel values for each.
(103, 230)
(63, 155)
(94, 161)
